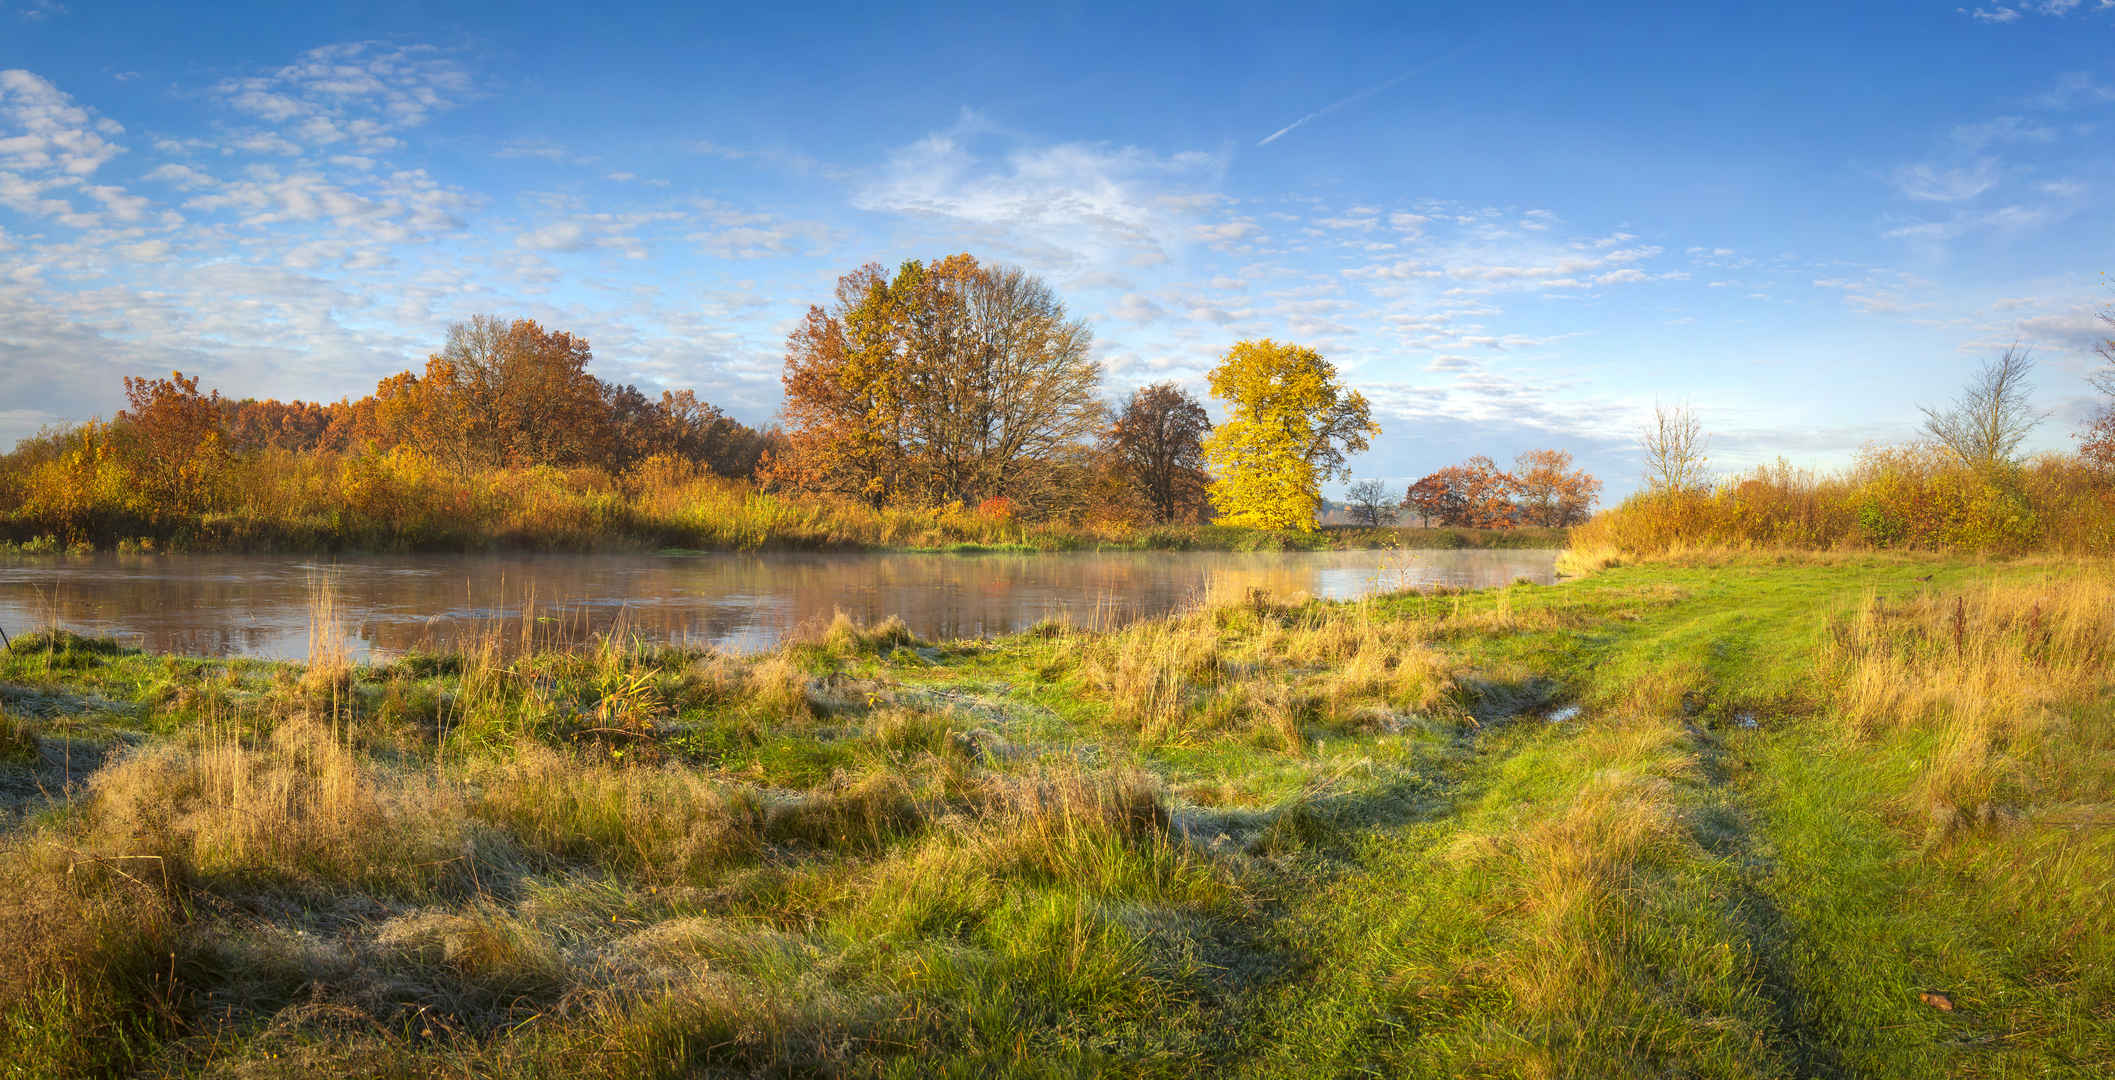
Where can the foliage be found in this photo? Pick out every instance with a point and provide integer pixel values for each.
(1475, 494)
(949, 382)
(1920, 497)
(1157, 442)
(175, 441)
(1290, 426)
(1549, 492)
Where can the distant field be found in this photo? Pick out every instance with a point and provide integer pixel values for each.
(1749, 816)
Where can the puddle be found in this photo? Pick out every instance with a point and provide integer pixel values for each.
(1563, 713)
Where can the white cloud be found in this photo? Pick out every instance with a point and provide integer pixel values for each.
(557, 236)
(182, 176)
(2002, 129)
(1135, 308)
(1076, 204)
(1930, 183)
(360, 93)
(42, 130)
(2074, 88)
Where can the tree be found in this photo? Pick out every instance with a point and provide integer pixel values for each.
(1674, 445)
(2097, 441)
(1369, 503)
(1475, 494)
(177, 440)
(1986, 424)
(1157, 443)
(950, 382)
(523, 393)
(1290, 426)
(1552, 494)
(1431, 499)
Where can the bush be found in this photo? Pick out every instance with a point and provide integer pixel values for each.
(1913, 497)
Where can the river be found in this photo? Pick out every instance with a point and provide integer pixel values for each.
(249, 605)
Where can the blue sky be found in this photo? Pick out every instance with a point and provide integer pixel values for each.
(1510, 227)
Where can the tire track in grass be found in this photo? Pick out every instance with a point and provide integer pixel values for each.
(1724, 829)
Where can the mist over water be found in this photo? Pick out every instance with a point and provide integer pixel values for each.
(259, 606)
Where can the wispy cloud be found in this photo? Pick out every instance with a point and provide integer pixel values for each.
(1930, 183)
(2001, 13)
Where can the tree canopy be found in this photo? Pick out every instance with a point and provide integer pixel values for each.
(948, 382)
(1157, 441)
(1289, 428)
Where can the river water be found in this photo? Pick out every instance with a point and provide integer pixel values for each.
(247, 605)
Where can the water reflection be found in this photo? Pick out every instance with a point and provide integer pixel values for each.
(259, 606)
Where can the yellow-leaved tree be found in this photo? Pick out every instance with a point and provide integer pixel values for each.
(1290, 427)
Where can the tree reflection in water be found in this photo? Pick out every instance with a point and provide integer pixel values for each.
(259, 605)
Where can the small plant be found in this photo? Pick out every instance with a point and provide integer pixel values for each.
(18, 741)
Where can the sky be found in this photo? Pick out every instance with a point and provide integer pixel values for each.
(1509, 226)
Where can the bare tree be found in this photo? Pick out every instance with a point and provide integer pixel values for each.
(2097, 441)
(1369, 503)
(1986, 424)
(1674, 444)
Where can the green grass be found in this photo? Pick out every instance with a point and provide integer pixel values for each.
(1729, 817)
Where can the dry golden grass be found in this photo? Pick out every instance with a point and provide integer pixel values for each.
(661, 823)
(297, 805)
(2005, 681)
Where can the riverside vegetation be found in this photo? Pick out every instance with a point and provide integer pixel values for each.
(950, 404)
(1722, 816)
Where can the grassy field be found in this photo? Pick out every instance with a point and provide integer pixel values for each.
(1727, 817)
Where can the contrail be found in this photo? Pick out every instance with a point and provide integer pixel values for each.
(1327, 109)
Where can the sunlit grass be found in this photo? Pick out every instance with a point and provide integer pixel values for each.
(1724, 815)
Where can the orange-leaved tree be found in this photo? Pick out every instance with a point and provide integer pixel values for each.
(1289, 426)
(1474, 494)
(176, 442)
(1552, 493)
(948, 382)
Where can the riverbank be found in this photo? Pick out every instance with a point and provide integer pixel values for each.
(391, 504)
(800, 528)
(1730, 817)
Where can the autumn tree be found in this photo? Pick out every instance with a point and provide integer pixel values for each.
(175, 439)
(1674, 446)
(510, 393)
(1431, 499)
(1551, 493)
(1475, 494)
(1369, 504)
(953, 381)
(523, 394)
(293, 426)
(1157, 443)
(700, 431)
(1985, 425)
(1289, 427)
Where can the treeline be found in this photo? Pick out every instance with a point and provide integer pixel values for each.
(944, 403)
(1962, 485)
(1544, 490)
